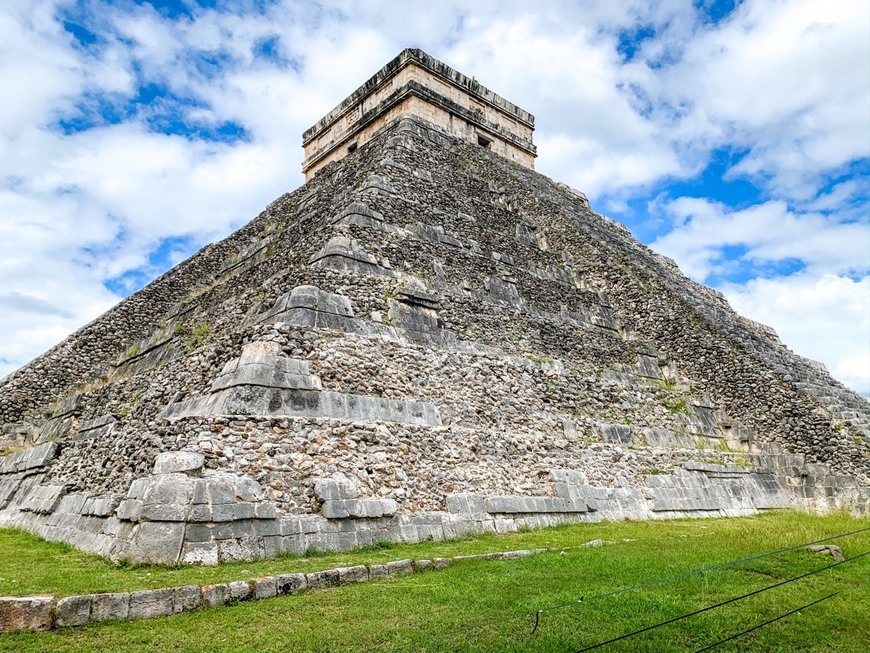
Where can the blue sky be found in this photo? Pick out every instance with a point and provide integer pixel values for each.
(731, 136)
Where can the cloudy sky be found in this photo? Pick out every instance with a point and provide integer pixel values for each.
(731, 136)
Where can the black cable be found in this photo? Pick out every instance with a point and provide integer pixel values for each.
(766, 623)
(718, 605)
(667, 579)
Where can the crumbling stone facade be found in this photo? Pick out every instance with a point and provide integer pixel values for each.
(416, 84)
(424, 340)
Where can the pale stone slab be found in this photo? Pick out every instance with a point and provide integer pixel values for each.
(73, 610)
(146, 604)
(26, 613)
(110, 606)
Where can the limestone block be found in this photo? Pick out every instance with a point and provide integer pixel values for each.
(465, 503)
(243, 548)
(265, 587)
(215, 490)
(393, 568)
(221, 512)
(73, 610)
(320, 300)
(172, 488)
(43, 499)
(338, 509)
(73, 503)
(388, 507)
(326, 578)
(203, 513)
(243, 511)
(357, 574)
(273, 545)
(265, 527)
(102, 506)
(616, 433)
(110, 606)
(186, 597)
(157, 542)
(266, 510)
(137, 488)
(216, 594)
(247, 489)
(146, 604)
(26, 613)
(240, 590)
(187, 462)
(338, 486)
(290, 583)
(295, 544)
(165, 512)
(202, 553)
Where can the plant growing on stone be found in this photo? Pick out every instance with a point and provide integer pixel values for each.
(676, 406)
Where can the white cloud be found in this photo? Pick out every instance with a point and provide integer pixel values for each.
(770, 233)
(784, 80)
(824, 317)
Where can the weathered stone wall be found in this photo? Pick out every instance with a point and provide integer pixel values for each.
(455, 341)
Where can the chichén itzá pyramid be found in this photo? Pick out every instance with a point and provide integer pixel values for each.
(426, 339)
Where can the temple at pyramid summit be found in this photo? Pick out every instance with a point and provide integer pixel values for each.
(426, 339)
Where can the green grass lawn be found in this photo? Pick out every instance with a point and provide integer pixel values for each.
(490, 605)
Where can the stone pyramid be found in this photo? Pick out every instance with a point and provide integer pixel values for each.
(426, 339)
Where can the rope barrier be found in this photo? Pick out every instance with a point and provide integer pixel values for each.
(766, 623)
(687, 574)
(718, 605)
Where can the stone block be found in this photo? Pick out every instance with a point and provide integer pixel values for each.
(247, 489)
(273, 545)
(110, 606)
(186, 462)
(146, 604)
(266, 510)
(337, 509)
(137, 488)
(356, 574)
(201, 513)
(505, 505)
(73, 611)
(222, 512)
(164, 512)
(265, 588)
(186, 597)
(325, 578)
(157, 542)
(200, 553)
(173, 488)
(393, 568)
(215, 594)
(243, 511)
(290, 583)
(240, 590)
(465, 503)
(199, 533)
(326, 489)
(26, 613)
(217, 489)
(295, 544)
(388, 507)
(246, 548)
(266, 527)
